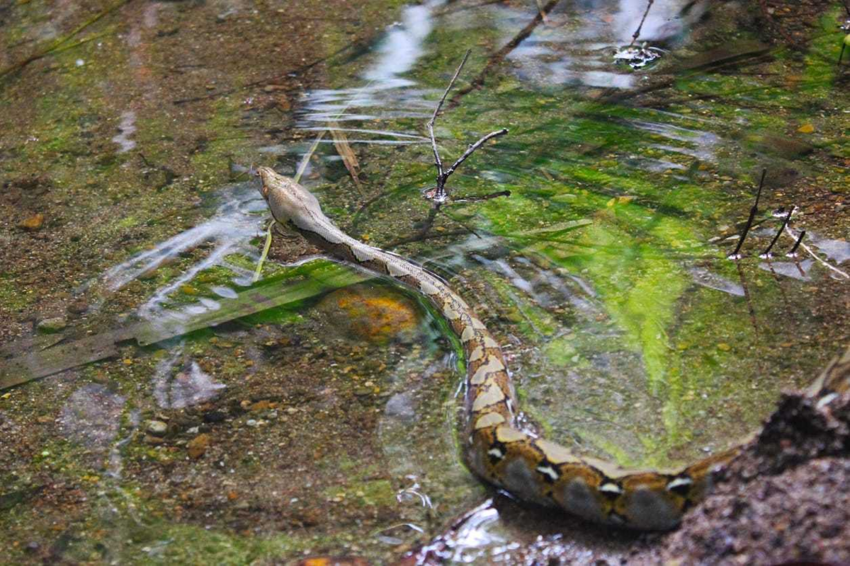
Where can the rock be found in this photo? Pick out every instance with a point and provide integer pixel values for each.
(52, 325)
(78, 307)
(374, 314)
(32, 223)
(214, 417)
(197, 447)
(157, 428)
(261, 406)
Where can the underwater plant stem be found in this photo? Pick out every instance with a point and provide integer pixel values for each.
(266, 247)
(480, 198)
(56, 45)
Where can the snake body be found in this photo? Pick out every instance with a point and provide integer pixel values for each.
(495, 447)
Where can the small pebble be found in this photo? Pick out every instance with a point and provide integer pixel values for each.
(51, 325)
(34, 222)
(251, 423)
(157, 428)
(197, 447)
(214, 417)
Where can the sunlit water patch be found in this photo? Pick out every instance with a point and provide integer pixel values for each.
(179, 384)
(229, 231)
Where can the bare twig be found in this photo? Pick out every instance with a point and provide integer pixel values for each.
(439, 194)
(753, 211)
(471, 149)
(437, 162)
(793, 251)
(642, 20)
(766, 252)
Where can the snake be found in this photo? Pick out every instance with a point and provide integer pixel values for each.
(496, 447)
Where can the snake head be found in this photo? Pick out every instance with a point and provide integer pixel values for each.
(287, 199)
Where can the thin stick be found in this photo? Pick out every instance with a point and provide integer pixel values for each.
(753, 211)
(642, 20)
(440, 195)
(471, 149)
(793, 251)
(766, 252)
(480, 198)
(437, 162)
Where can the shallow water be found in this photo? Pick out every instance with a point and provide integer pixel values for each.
(311, 412)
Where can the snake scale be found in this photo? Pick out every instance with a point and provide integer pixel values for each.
(495, 448)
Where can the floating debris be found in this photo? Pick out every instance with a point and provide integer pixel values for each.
(637, 56)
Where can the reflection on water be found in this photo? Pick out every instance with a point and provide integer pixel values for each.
(126, 129)
(229, 231)
(187, 386)
(666, 20)
(713, 281)
(402, 47)
(92, 416)
(577, 46)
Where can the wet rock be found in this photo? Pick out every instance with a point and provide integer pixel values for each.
(78, 307)
(372, 313)
(215, 417)
(400, 406)
(261, 406)
(32, 223)
(52, 325)
(197, 447)
(157, 428)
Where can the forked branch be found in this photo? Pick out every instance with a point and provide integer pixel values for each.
(439, 194)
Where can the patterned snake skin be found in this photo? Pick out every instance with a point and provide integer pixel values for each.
(495, 449)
